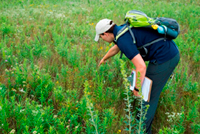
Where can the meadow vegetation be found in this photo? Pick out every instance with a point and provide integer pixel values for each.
(50, 81)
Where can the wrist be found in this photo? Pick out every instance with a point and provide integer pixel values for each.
(136, 89)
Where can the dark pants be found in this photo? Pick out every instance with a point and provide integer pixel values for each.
(159, 74)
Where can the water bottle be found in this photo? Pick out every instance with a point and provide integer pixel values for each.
(161, 29)
(165, 30)
(171, 33)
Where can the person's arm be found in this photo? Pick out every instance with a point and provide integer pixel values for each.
(140, 67)
(112, 51)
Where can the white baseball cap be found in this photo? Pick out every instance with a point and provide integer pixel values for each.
(102, 26)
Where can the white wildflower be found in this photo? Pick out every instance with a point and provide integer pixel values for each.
(39, 105)
(169, 120)
(32, 96)
(22, 110)
(76, 127)
(179, 114)
(12, 131)
(55, 116)
(22, 91)
(173, 116)
(34, 132)
(19, 31)
(34, 112)
(60, 15)
(0, 88)
(14, 90)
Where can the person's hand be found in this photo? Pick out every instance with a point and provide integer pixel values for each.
(102, 61)
(136, 93)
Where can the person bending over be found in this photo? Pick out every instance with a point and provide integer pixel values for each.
(163, 57)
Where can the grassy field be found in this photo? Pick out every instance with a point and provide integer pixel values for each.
(49, 76)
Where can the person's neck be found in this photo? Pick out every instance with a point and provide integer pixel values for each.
(115, 30)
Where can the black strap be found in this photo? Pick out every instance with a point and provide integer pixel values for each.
(152, 42)
(121, 55)
(136, 89)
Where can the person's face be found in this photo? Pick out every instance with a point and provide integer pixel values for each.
(108, 37)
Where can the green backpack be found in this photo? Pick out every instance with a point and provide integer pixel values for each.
(168, 27)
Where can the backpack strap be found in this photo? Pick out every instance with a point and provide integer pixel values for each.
(131, 33)
(152, 42)
(124, 30)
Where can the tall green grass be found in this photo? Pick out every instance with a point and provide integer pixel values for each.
(50, 81)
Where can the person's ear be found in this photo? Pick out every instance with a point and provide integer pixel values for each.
(106, 34)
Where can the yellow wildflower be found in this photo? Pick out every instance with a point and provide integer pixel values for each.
(31, 5)
(91, 24)
(46, 5)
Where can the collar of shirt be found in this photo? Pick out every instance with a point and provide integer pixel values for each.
(116, 29)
